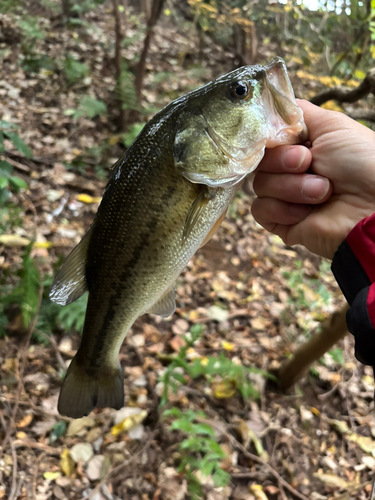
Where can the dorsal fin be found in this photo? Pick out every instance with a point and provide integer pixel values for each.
(166, 305)
(70, 281)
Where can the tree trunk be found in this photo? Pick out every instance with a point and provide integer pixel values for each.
(156, 8)
(333, 329)
(119, 36)
(65, 4)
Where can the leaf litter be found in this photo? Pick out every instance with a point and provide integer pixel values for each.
(255, 299)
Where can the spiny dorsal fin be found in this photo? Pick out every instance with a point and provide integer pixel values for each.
(70, 281)
(166, 305)
(205, 195)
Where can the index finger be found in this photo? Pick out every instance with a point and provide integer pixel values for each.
(286, 159)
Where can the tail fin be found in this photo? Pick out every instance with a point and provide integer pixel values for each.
(85, 389)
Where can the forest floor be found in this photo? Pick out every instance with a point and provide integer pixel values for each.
(255, 300)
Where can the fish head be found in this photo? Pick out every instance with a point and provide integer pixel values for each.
(222, 134)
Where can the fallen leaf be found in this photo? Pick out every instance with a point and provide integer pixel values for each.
(78, 425)
(257, 491)
(25, 421)
(128, 423)
(86, 198)
(81, 452)
(51, 476)
(14, 240)
(224, 389)
(66, 463)
(228, 346)
(331, 480)
(97, 467)
(218, 314)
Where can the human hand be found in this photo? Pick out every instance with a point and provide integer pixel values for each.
(314, 197)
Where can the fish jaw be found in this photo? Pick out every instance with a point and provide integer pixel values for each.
(209, 152)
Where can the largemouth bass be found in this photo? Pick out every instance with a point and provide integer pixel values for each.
(167, 196)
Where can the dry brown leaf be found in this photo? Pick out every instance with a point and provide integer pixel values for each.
(332, 481)
(25, 421)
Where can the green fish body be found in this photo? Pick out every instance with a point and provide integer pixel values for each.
(166, 197)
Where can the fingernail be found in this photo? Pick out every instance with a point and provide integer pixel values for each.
(315, 188)
(294, 157)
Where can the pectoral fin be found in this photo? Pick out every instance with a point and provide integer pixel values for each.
(214, 228)
(70, 281)
(166, 305)
(196, 210)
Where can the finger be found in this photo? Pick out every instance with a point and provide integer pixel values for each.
(295, 159)
(301, 188)
(271, 213)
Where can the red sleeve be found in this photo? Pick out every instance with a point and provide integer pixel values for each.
(361, 240)
(354, 269)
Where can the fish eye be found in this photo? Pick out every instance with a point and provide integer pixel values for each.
(239, 90)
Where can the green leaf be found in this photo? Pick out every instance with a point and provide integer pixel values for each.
(5, 169)
(4, 182)
(207, 466)
(221, 478)
(17, 183)
(203, 429)
(91, 107)
(179, 377)
(182, 425)
(4, 124)
(173, 412)
(72, 317)
(57, 431)
(2, 146)
(18, 143)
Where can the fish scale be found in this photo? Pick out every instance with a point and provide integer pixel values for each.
(165, 198)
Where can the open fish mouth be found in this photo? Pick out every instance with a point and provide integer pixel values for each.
(284, 125)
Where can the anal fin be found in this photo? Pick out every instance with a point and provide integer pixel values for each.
(166, 305)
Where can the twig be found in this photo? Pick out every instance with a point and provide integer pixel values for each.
(13, 492)
(258, 460)
(19, 166)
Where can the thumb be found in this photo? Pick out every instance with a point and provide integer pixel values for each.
(320, 121)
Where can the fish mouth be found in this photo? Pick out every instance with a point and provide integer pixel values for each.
(284, 124)
(279, 99)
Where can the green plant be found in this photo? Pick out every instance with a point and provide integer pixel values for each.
(72, 317)
(88, 107)
(134, 130)
(9, 182)
(74, 70)
(25, 293)
(199, 451)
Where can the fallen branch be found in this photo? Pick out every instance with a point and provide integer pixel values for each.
(339, 94)
(332, 330)
(362, 115)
